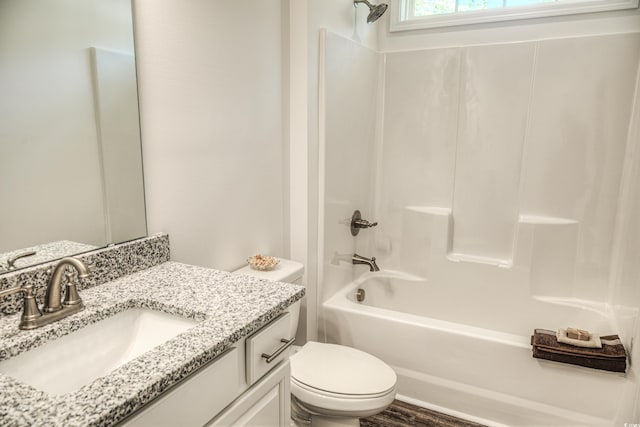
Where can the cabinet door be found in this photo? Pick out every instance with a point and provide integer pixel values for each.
(267, 403)
(196, 399)
(265, 412)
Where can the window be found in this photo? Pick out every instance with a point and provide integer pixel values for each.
(418, 14)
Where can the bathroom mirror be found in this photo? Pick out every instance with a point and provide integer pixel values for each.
(70, 153)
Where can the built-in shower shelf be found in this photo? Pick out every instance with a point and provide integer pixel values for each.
(457, 257)
(524, 221)
(543, 246)
(597, 307)
(545, 220)
(433, 210)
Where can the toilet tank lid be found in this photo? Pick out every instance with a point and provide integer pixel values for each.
(286, 271)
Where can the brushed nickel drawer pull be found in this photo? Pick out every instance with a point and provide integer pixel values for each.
(287, 343)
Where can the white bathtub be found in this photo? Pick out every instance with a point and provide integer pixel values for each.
(478, 374)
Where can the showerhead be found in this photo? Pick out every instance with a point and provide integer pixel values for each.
(375, 11)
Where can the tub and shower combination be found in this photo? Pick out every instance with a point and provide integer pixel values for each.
(505, 188)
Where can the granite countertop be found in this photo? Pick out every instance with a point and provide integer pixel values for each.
(227, 307)
(45, 252)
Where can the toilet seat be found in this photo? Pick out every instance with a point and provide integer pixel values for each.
(341, 370)
(308, 389)
(329, 379)
(340, 405)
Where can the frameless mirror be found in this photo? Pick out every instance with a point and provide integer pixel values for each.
(70, 153)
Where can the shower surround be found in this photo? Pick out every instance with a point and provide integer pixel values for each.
(502, 178)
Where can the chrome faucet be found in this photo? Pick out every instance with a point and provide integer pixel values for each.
(371, 262)
(54, 309)
(52, 299)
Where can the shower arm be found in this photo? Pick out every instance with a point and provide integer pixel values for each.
(355, 3)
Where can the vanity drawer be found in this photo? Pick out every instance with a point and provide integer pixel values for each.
(267, 347)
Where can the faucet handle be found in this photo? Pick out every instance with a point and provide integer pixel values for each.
(357, 223)
(71, 296)
(11, 262)
(30, 310)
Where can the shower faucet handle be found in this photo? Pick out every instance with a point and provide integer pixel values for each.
(357, 223)
(363, 223)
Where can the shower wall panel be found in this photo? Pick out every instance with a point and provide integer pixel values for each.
(580, 115)
(418, 153)
(420, 122)
(496, 82)
(349, 98)
(521, 146)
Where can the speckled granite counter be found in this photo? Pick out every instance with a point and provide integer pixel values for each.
(43, 253)
(228, 307)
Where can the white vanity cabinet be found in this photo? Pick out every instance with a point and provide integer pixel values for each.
(237, 388)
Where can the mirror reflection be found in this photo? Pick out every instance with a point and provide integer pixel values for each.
(70, 155)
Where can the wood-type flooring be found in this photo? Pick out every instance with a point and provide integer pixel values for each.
(402, 414)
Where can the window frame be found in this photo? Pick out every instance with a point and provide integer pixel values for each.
(403, 18)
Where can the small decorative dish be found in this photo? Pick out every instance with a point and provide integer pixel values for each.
(263, 262)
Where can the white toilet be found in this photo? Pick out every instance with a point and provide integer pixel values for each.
(331, 385)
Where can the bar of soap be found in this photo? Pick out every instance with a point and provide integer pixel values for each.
(578, 334)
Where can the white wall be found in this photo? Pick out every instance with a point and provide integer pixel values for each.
(211, 102)
(211, 153)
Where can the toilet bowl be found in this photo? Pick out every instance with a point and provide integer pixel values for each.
(331, 385)
(337, 385)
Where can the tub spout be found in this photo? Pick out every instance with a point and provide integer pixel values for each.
(371, 262)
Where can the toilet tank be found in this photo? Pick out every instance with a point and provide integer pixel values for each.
(287, 271)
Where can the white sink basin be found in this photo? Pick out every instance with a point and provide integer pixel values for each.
(65, 364)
